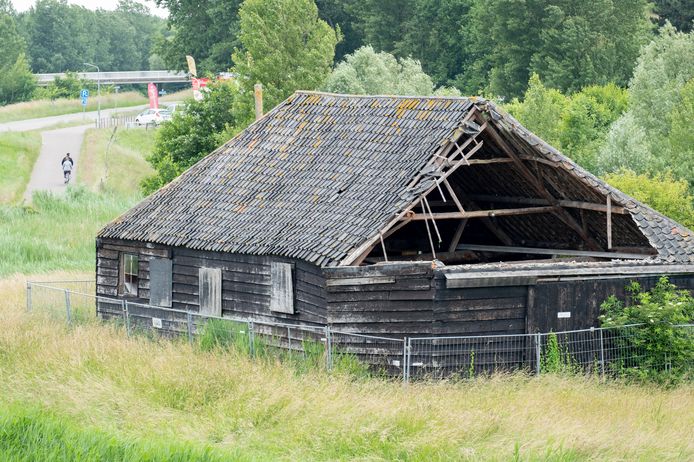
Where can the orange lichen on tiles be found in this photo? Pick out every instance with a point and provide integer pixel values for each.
(252, 143)
(241, 209)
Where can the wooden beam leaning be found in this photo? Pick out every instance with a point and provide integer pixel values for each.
(360, 253)
(457, 235)
(537, 201)
(560, 213)
(483, 213)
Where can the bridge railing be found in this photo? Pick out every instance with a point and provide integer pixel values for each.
(120, 76)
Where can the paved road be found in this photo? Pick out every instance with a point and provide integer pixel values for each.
(87, 117)
(47, 174)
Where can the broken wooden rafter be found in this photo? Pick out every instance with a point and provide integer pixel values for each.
(457, 235)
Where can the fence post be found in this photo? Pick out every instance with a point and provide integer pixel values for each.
(404, 359)
(538, 352)
(408, 358)
(251, 339)
(68, 308)
(328, 349)
(189, 325)
(126, 313)
(602, 356)
(28, 297)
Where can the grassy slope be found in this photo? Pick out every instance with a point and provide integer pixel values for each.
(104, 388)
(47, 108)
(18, 152)
(55, 233)
(123, 167)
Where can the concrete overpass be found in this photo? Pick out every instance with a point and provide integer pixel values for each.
(120, 77)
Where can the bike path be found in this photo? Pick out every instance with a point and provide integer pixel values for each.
(47, 174)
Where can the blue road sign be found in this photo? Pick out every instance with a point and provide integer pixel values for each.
(84, 93)
(84, 101)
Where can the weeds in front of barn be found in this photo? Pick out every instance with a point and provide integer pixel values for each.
(88, 392)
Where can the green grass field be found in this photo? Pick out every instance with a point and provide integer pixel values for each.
(91, 393)
(114, 160)
(18, 152)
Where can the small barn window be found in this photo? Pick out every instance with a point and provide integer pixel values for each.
(130, 268)
(210, 280)
(282, 294)
(160, 282)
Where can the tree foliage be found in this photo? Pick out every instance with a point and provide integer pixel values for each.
(654, 135)
(193, 134)
(661, 192)
(16, 80)
(61, 37)
(285, 46)
(680, 13)
(207, 30)
(576, 124)
(366, 72)
(569, 44)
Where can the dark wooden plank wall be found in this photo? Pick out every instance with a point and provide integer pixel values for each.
(246, 286)
(107, 267)
(582, 298)
(245, 281)
(479, 310)
(391, 300)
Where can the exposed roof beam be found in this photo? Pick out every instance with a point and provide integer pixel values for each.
(482, 213)
(538, 201)
(537, 251)
(500, 160)
(559, 212)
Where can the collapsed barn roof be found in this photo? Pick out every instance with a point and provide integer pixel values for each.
(343, 179)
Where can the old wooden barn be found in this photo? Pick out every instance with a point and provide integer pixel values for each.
(389, 215)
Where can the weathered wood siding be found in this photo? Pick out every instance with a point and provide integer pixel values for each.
(246, 281)
(582, 299)
(392, 300)
(479, 310)
(108, 264)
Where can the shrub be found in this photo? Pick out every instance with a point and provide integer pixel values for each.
(665, 351)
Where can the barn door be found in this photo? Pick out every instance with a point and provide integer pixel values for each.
(564, 305)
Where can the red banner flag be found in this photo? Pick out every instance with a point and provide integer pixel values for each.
(153, 96)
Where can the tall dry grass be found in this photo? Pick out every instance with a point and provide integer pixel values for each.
(142, 390)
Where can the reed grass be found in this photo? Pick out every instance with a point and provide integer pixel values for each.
(95, 387)
(56, 232)
(18, 153)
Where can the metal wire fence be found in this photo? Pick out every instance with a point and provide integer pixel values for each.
(603, 351)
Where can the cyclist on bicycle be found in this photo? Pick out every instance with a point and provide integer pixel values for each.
(67, 164)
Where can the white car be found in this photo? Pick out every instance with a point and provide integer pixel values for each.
(153, 117)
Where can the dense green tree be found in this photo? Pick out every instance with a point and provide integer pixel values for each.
(680, 13)
(661, 191)
(17, 83)
(191, 135)
(285, 47)
(576, 124)
(340, 15)
(207, 30)
(652, 135)
(569, 44)
(367, 72)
